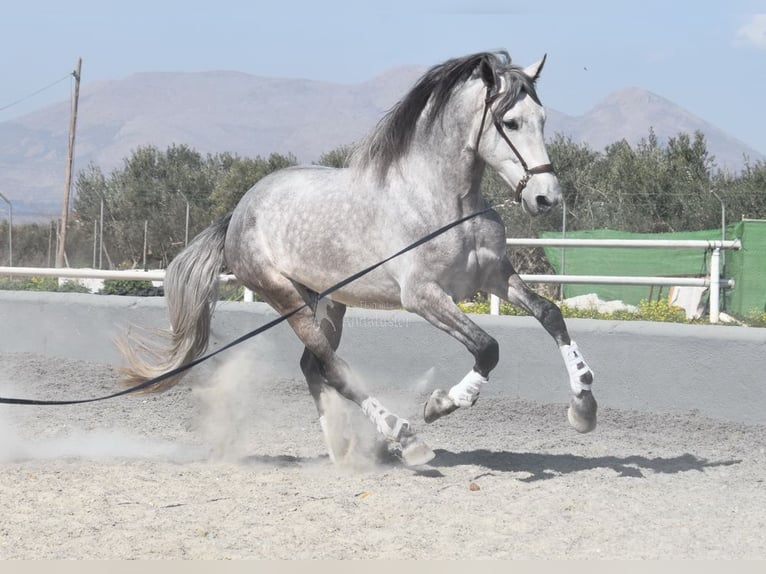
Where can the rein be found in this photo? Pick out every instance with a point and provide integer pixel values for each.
(528, 172)
(259, 330)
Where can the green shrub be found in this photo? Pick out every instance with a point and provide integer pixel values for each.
(230, 292)
(129, 287)
(660, 310)
(754, 319)
(480, 305)
(41, 284)
(72, 287)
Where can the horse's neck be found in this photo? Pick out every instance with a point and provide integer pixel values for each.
(449, 175)
(447, 150)
(441, 173)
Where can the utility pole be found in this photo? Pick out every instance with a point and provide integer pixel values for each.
(146, 236)
(10, 229)
(186, 227)
(101, 236)
(61, 250)
(723, 224)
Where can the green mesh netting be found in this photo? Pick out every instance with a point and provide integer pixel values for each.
(747, 267)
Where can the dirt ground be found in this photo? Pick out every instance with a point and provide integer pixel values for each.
(231, 464)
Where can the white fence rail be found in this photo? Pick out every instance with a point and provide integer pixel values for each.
(713, 281)
(70, 273)
(628, 243)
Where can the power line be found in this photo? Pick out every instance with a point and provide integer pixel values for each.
(25, 98)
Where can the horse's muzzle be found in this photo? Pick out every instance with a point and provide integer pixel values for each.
(541, 199)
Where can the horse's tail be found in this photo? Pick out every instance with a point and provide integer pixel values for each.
(191, 291)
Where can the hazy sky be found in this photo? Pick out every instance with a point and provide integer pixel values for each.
(707, 56)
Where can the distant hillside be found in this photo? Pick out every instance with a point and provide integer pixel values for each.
(629, 113)
(250, 115)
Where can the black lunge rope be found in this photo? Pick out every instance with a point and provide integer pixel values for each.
(259, 330)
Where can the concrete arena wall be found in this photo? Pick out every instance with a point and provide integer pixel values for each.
(717, 370)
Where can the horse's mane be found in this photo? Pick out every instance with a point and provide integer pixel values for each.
(391, 138)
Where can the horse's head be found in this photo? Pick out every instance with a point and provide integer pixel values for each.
(510, 137)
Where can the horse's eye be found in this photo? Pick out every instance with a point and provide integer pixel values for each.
(511, 125)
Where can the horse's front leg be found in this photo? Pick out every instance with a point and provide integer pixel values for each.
(433, 304)
(582, 406)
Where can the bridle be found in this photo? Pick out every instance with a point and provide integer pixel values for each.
(528, 172)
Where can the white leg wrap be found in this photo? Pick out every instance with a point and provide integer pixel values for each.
(465, 393)
(387, 423)
(576, 367)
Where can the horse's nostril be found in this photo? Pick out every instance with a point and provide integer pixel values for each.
(543, 202)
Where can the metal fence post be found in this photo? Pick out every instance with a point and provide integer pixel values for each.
(494, 305)
(715, 284)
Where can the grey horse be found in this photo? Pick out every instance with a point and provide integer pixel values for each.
(302, 229)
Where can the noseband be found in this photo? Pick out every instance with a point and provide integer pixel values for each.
(528, 172)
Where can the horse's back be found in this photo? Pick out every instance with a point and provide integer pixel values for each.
(311, 224)
(289, 184)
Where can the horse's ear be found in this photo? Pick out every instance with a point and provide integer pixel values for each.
(488, 75)
(535, 69)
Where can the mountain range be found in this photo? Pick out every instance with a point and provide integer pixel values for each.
(251, 115)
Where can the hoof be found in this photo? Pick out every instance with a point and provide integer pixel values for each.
(386, 452)
(582, 412)
(415, 452)
(438, 405)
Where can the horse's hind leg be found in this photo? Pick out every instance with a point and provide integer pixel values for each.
(285, 296)
(329, 316)
(583, 406)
